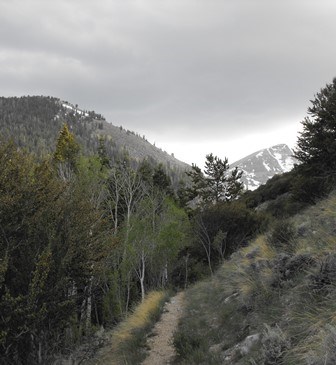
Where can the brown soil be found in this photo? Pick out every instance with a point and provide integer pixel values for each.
(161, 348)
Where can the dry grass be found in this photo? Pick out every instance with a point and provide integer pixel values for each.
(289, 289)
(140, 318)
(128, 340)
(259, 249)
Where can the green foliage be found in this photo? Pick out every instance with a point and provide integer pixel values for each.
(239, 224)
(316, 147)
(160, 179)
(102, 153)
(66, 153)
(174, 231)
(217, 231)
(47, 229)
(309, 188)
(66, 147)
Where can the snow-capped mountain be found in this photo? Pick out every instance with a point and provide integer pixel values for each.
(264, 164)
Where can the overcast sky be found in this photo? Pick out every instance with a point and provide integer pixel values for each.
(194, 76)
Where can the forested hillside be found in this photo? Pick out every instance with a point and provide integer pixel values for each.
(34, 122)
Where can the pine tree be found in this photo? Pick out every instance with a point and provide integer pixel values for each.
(102, 153)
(160, 179)
(66, 153)
(216, 183)
(316, 146)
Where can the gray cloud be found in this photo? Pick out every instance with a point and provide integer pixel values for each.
(179, 69)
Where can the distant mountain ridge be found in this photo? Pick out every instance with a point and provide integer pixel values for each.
(260, 166)
(35, 121)
(137, 147)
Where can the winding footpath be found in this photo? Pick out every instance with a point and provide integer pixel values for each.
(161, 347)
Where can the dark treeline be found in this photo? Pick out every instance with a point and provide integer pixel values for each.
(34, 122)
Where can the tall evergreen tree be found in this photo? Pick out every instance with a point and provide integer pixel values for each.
(217, 183)
(316, 146)
(160, 179)
(66, 153)
(102, 153)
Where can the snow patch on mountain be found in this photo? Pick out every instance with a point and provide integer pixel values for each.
(264, 164)
(75, 109)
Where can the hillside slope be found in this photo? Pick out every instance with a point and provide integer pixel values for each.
(272, 302)
(35, 121)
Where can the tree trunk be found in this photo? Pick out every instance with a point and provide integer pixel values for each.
(205, 241)
(142, 276)
(165, 275)
(88, 308)
(39, 354)
(186, 270)
(128, 293)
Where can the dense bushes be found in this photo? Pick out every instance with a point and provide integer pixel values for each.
(80, 243)
(47, 229)
(219, 230)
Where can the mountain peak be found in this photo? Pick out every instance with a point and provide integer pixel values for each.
(261, 165)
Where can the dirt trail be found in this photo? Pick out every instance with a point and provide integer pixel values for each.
(161, 348)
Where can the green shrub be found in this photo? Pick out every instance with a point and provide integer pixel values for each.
(310, 189)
